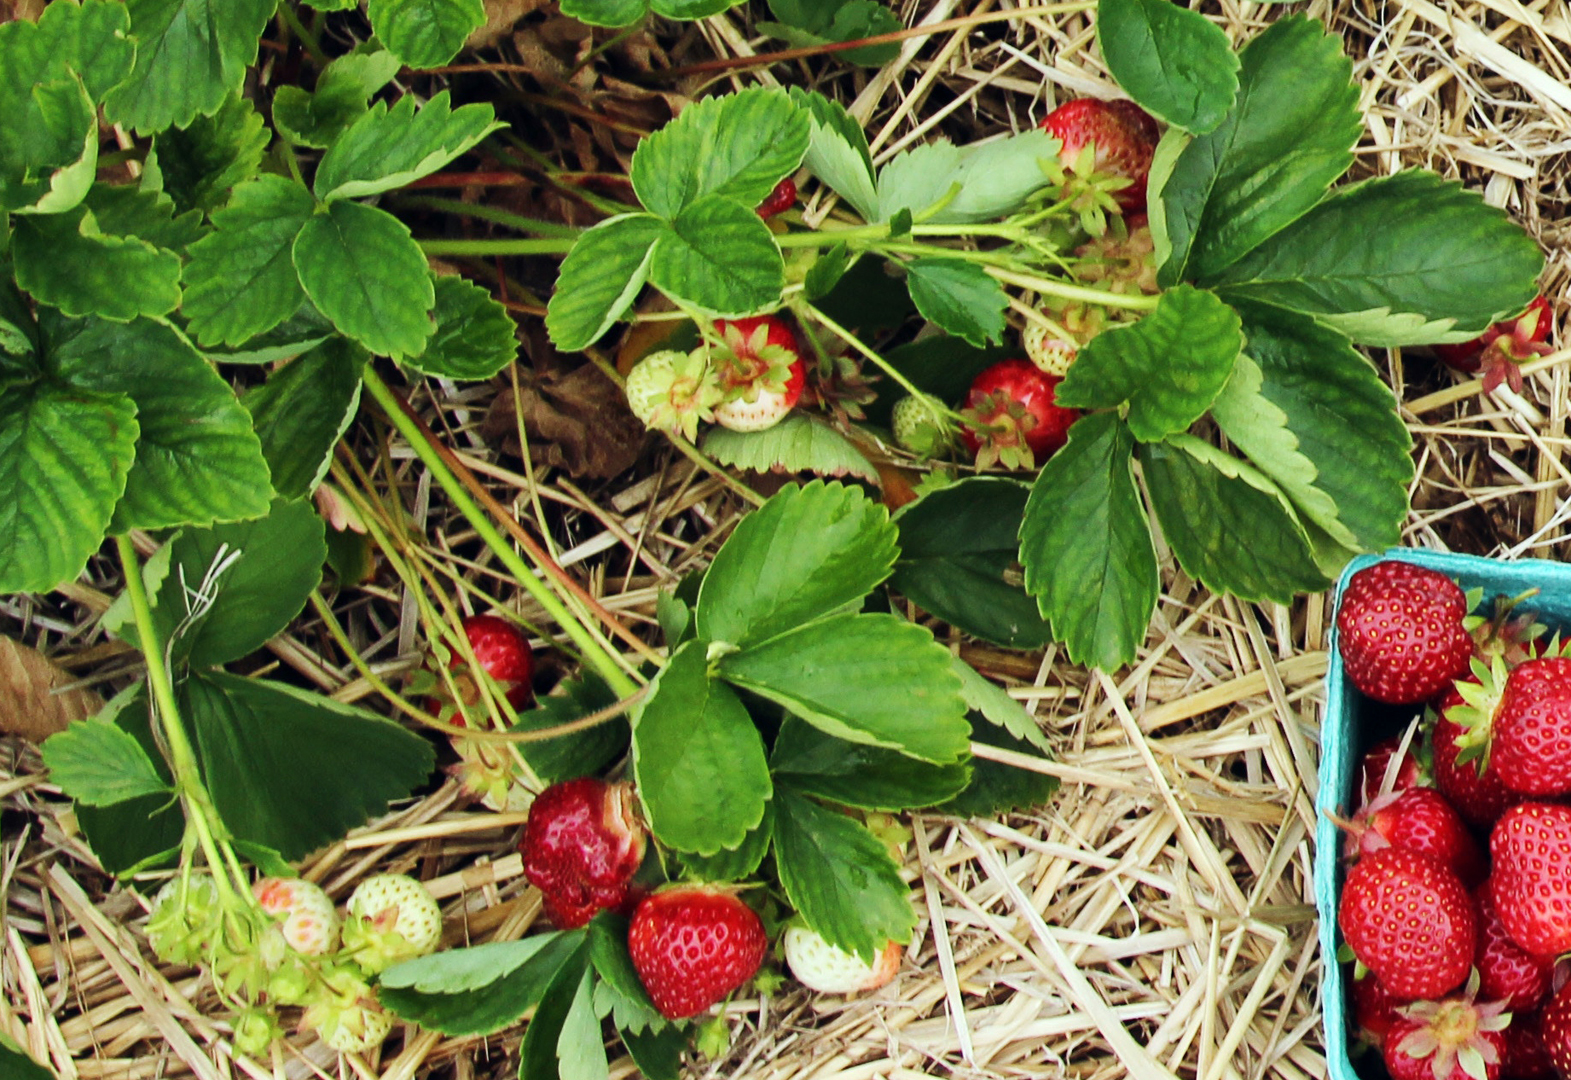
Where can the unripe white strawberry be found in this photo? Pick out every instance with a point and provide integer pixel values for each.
(185, 920)
(1047, 350)
(673, 391)
(917, 427)
(392, 918)
(345, 1011)
(358, 1029)
(821, 966)
(307, 919)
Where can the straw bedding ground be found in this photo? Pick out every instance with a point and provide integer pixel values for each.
(1156, 919)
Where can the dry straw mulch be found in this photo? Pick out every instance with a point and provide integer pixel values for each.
(1156, 919)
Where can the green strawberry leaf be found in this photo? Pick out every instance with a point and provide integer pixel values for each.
(600, 278)
(197, 165)
(690, 9)
(389, 148)
(826, 272)
(958, 297)
(1086, 545)
(718, 255)
(1170, 366)
(1295, 394)
(190, 55)
(1397, 260)
(303, 409)
(342, 91)
(475, 336)
(619, 985)
(805, 553)
(997, 789)
(799, 443)
(424, 33)
(262, 571)
(64, 458)
(957, 545)
(198, 459)
(145, 213)
(658, 1054)
(736, 864)
(299, 333)
(583, 753)
(15, 1064)
(1229, 526)
(805, 23)
(698, 759)
(840, 877)
(65, 260)
(140, 832)
(363, 270)
(542, 1046)
(49, 152)
(918, 179)
(871, 679)
(99, 764)
(1174, 62)
(611, 13)
(89, 39)
(992, 703)
(1288, 137)
(854, 774)
(738, 145)
(479, 989)
(997, 177)
(241, 280)
(580, 1048)
(837, 152)
(293, 770)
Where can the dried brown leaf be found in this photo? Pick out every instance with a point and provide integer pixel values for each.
(31, 704)
(500, 17)
(577, 420)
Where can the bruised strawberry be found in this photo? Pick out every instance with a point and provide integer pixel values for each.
(1400, 632)
(581, 846)
(1012, 418)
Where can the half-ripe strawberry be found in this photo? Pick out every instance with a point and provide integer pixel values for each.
(1408, 918)
(307, 919)
(761, 370)
(392, 917)
(1400, 632)
(821, 966)
(1531, 878)
(1012, 417)
(1500, 351)
(1507, 972)
(1556, 1030)
(1530, 745)
(1420, 819)
(581, 846)
(1458, 1038)
(692, 945)
(1469, 781)
(1124, 137)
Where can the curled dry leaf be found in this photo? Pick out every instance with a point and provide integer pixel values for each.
(30, 705)
(576, 420)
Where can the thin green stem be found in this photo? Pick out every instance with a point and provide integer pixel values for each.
(856, 343)
(182, 756)
(523, 224)
(547, 246)
(1053, 287)
(596, 655)
(303, 32)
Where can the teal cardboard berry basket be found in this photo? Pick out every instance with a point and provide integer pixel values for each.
(1353, 722)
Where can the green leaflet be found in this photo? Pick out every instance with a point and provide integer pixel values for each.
(600, 278)
(389, 148)
(1171, 60)
(424, 33)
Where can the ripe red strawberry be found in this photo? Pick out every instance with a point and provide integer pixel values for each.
(1012, 418)
(1556, 1030)
(1506, 971)
(761, 370)
(1526, 1057)
(1400, 632)
(1454, 1039)
(1475, 791)
(1531, 880)
(1408, 918)
(504, 654)
(692, 945)
(1374, 1009)
(781, 199)
(1125, 136)
(1530, 733)
(1377, 763)
(1420, 819)
(1499, 351)
(581, 846)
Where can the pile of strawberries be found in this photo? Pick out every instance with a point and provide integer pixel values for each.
(1457, 906)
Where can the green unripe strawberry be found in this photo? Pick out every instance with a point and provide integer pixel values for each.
(918, 427)
(345, 1011)
(673, 391)
(392, 918)
(185, 920)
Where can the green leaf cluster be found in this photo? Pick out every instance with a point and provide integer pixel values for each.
(288, 770)
(1271, 280)
(808, 23)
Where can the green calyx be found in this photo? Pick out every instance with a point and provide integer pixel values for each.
(1476, 715)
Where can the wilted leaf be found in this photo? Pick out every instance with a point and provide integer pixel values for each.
(576, 420)
(29, 705)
